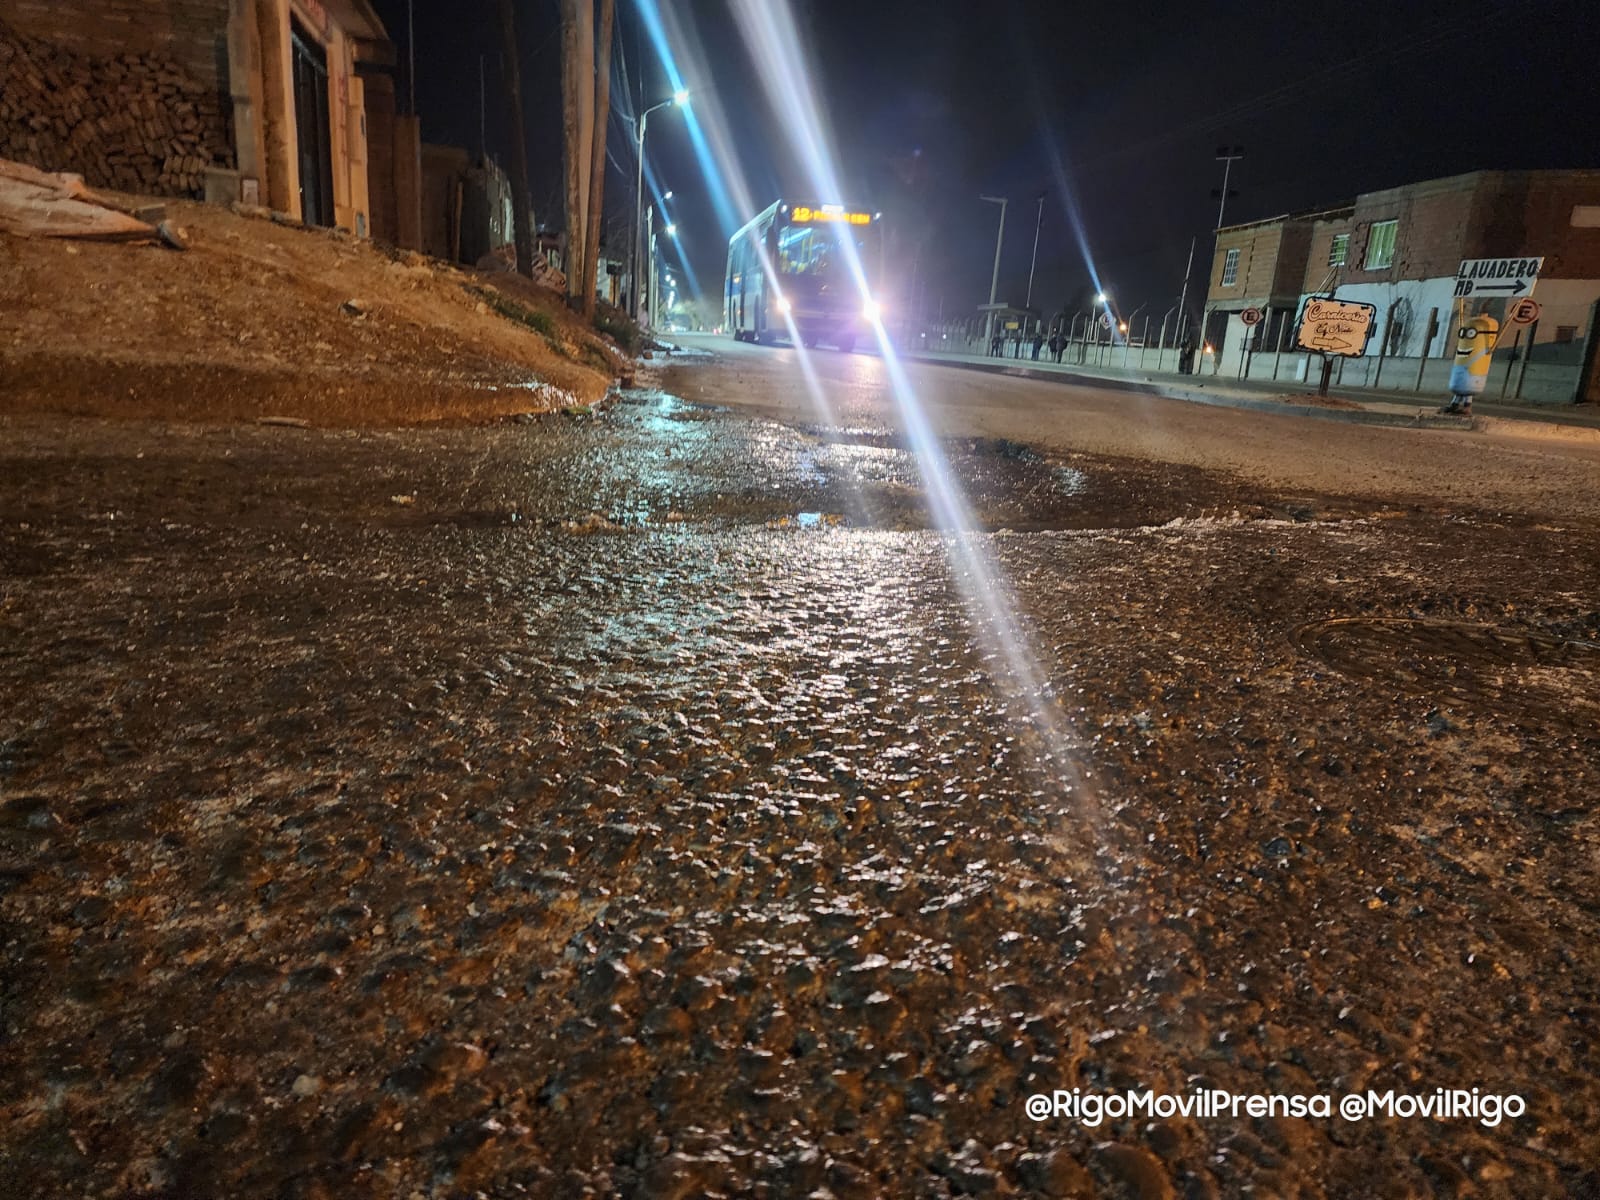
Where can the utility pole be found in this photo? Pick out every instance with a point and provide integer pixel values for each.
(994, 279)
(597, 158)
(1037, 224)
(522, 224)
(1183, 298)
(1227, 156)
(577, 116)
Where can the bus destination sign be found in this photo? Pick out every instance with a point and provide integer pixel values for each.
(828, 212)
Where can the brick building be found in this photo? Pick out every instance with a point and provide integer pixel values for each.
(1399, 250)
(289, 103)
(1262, 265)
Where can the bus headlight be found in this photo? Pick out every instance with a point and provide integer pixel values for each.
(783, 305)
(871, 310)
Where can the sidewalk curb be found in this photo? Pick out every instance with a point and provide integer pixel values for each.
(1200, 395)
(1520, 427)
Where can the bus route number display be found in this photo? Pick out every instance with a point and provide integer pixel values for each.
(828, 213)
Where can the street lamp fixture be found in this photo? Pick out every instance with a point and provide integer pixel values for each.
(672, 230)
(681, 97)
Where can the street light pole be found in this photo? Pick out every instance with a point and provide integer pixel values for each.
(1034, 262)
(994, 279)
(679, 98)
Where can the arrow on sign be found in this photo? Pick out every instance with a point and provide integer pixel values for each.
(1516, 289)
(1332, 343)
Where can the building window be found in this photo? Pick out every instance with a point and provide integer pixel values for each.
(1380, 245)
(1339, 249)
(1586, 216)
(1230, 268)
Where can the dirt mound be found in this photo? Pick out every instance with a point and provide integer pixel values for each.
(266, 318)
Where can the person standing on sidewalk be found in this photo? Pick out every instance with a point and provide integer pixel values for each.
(1056, 344)
(1038, 344)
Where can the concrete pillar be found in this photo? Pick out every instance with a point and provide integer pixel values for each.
(277, 86)
(245, 90)
(343, 114)
(356, 139)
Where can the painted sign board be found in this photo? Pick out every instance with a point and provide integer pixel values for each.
(1105, 320)
(1341, 327)
(1523, 312)
(1497, 277)
(1251, 316)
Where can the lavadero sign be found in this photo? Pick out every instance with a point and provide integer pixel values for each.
(1505, 277)
(1336, 327)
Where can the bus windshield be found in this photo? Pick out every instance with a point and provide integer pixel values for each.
(818, 250)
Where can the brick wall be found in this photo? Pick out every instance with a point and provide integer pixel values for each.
(1290, 266)
(1319, 273)
(192, 32)
(1485, 214)
(139, 120)
(1432, 223)
(1530, 212)
(1271, 263)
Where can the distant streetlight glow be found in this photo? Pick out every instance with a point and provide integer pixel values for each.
(680, 97)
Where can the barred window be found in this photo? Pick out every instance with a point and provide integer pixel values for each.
(1230, 268)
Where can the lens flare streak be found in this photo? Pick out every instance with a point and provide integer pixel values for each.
(770, 34)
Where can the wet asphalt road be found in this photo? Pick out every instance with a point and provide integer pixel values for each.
(634, 805)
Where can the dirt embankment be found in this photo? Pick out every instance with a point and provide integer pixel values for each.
(259, 319)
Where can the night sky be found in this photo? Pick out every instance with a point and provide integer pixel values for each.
(1108, 108)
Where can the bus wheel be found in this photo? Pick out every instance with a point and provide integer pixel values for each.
(846, 344)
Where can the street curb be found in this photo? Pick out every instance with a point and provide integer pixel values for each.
(1531, 429)
(1350, 416)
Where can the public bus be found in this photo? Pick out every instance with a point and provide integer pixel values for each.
(810, 281)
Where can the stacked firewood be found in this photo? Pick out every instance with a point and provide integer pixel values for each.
(134, 122)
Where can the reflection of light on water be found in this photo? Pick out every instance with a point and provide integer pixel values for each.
(1070, 481)
(773, 39)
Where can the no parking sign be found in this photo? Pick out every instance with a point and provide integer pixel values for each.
(1523, 312)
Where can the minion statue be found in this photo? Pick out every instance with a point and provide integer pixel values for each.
(1475, 342)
